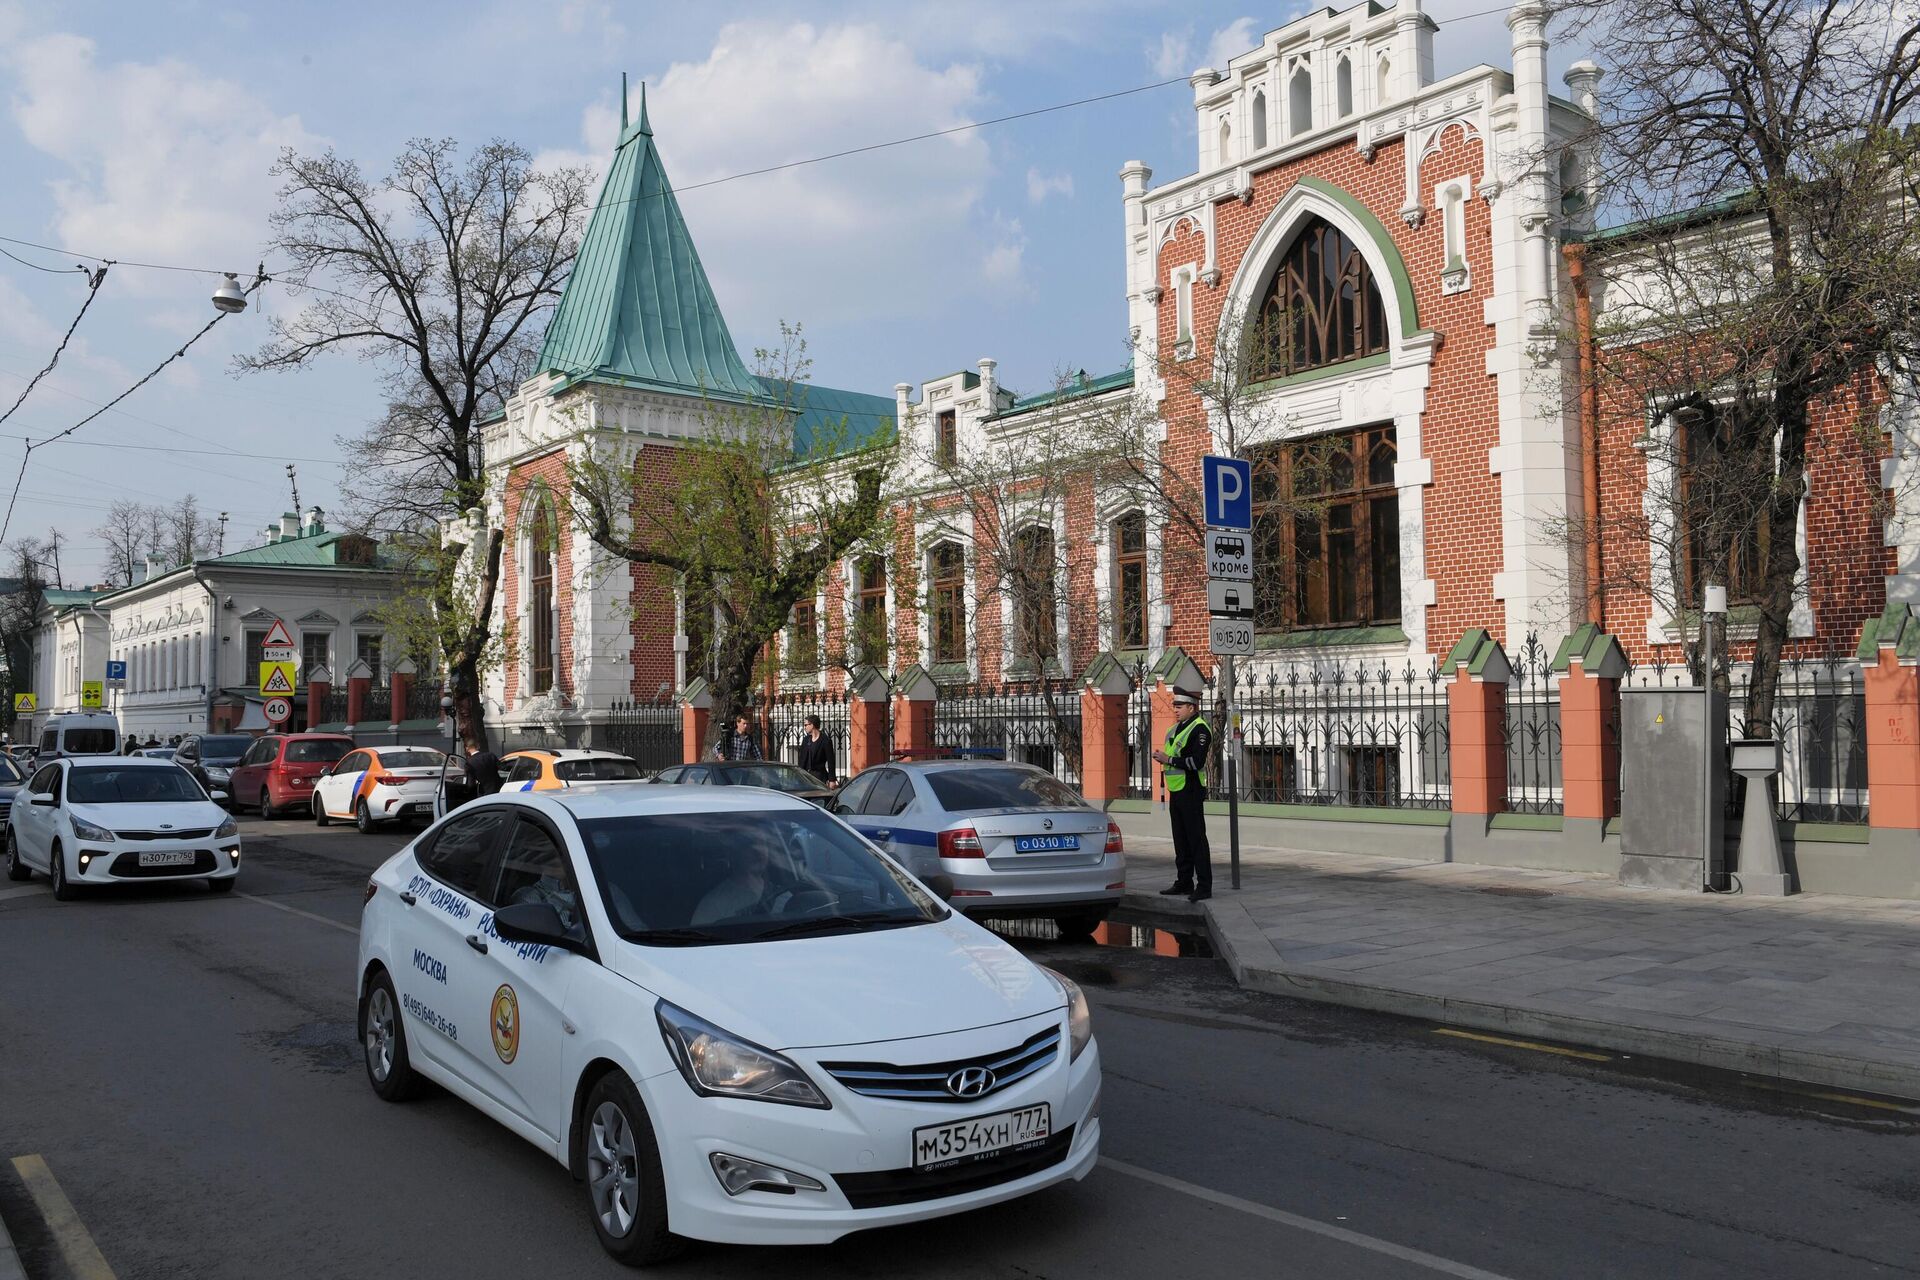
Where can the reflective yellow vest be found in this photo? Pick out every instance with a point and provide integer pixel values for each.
(1176, 743)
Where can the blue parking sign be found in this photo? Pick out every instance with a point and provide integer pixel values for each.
(1228, 488)
(116, 671)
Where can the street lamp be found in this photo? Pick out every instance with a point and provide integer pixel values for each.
(230, 297)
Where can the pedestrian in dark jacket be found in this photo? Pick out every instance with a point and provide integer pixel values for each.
(816, 752)
(483, 772)
(739, 743)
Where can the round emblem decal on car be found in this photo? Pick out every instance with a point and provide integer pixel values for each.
(970, 1082)
(506, 1023)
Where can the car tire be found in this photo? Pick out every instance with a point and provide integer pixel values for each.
(63, 889)
(626, 1190)
(320, 818)
(222, 886)
(362, 816)
(383, 1043)
(266, 803)
(16, 869)
(1079, 926)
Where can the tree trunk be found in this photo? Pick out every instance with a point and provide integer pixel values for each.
(1783, 562)
(463, 662)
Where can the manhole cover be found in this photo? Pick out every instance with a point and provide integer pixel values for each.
(1516, 891)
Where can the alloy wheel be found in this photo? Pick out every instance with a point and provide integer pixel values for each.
(613, 1169)
(379, 1034)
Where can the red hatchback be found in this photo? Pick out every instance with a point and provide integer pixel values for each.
(279, 769)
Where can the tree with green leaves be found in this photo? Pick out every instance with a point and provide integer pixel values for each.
(748, 520)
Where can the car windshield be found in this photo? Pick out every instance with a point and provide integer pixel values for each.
(103, 784)
(89, 742)
(1000, 787)
(411, 758)
(680, 879)
(225, 746)
(317, 751)
(779, 777)
(598, 769)
(9, 771)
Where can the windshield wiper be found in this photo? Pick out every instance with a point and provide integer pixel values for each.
(674, 937)
(813, 924)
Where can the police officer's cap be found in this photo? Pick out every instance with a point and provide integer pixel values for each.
(1181, 698)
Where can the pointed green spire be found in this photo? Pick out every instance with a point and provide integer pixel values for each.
(638, 309)
(623, 102)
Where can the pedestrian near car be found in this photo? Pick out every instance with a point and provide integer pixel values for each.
(816, 752)
(483, 772)
(739, 743)
(1184, 774)
(133, 745)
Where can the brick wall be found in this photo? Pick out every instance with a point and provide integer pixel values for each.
(548, 470)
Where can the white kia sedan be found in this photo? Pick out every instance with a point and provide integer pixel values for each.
(727, 1014)
(95, 820)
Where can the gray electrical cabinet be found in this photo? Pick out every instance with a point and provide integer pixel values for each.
(1664, 782)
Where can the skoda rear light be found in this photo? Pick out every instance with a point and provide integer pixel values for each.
(1114, 844)
(961, 842)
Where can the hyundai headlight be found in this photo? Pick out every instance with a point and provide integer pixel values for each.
(718, 1063)
(1079, 1019)
(228, 828)
(84, 830)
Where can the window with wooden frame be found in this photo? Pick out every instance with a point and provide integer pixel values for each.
(1718, 481)
(1321, 308)
(803, 638)
(1327, 532)
(947, 599)
(870, 612)
(946, 438)
(696, 617)
(1035, 630)
(540, 600)
(1130, 581)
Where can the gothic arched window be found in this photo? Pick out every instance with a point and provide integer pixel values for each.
(1322, 306)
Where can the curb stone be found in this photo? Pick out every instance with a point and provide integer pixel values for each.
(1258, 966)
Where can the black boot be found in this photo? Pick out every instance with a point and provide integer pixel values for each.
(1201, 894)
(1176, 889)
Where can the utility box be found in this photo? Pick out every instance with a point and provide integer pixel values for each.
(1664, 785)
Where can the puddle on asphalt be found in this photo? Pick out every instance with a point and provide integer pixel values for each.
(1154, 939)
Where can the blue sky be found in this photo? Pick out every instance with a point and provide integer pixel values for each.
(144, 131)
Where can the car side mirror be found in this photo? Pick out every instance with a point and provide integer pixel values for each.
(41, 799)
(942, 886)
(537, 922)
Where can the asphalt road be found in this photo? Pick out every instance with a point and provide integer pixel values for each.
(185, 1067)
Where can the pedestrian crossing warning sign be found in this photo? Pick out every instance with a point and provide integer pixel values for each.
(276, 678)
(25, 702)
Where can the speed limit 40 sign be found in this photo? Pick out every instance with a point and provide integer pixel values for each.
(278, 710)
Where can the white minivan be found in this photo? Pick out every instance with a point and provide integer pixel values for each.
(79, 733)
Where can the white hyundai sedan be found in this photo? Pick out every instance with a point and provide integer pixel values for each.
(727, 1014)
(96, 820)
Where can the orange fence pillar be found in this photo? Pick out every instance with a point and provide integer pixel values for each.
(695, 709)
(913, 700)
(1103, 729)
(1889, 651)
(1476, 712)
(867, 743)
(1591, 664)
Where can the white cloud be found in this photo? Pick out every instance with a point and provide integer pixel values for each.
(876, 235)
(1041, 185)
(1004, 264)
(1174, 55)
(164, 161)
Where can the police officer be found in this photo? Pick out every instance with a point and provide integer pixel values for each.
(1185, 776)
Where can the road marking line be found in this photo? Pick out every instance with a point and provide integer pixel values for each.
(1536, 1046)
(25, 891)
(77, 1248)
(295, 911)
(1431, 1262)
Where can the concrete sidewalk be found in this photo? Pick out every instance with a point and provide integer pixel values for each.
(1814, 988)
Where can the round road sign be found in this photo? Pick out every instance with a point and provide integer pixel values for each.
(278, 710)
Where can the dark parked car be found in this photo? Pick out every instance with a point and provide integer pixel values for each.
(750, 773)
(210, 758)
(12, 778)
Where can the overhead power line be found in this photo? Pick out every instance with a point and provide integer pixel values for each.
(94, 280)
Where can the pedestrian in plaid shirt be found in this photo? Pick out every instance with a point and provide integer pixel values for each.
(740, 744)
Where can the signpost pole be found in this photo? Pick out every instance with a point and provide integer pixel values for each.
(1231, 749)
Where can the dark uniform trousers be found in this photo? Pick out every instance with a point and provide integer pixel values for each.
(1192, 857)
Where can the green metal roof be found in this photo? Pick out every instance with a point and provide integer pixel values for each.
(313, 551)
(638, 309)
(821, 410)
(59, 598)
(1073, 389)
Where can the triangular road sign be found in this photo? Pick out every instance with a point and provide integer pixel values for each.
(278, 636)
(277, 682)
